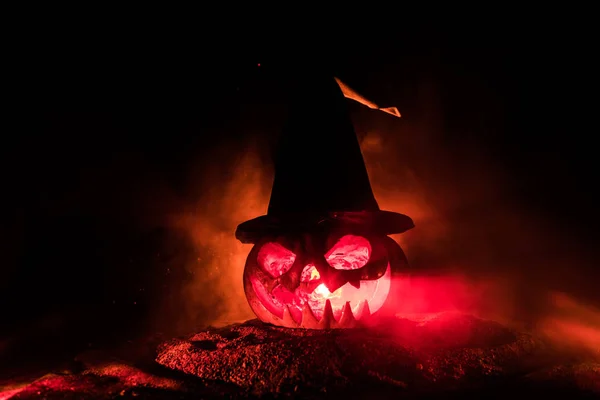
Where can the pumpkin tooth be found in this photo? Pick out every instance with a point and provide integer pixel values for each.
(288, 320)
(363, 311)
(327, 321)
(309, 320)
(347, 319)
(355, 283)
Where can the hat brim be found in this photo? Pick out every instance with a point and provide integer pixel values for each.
(379, 222)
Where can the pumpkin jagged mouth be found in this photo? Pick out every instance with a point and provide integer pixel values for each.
(317, 308)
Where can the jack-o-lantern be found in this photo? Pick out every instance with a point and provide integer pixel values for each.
(321, 257)
(321, 281)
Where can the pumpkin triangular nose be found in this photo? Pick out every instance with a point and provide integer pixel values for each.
(328, 275)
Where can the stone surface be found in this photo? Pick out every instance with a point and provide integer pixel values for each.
(442, 355)
(439, 353)
(583, 375)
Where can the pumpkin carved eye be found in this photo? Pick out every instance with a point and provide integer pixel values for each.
(350, 252)
(275, 259)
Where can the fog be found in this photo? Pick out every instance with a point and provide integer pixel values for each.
(476, 246)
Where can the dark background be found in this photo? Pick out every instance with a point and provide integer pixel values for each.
(103, 134)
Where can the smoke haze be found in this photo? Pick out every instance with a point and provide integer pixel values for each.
(475, 248)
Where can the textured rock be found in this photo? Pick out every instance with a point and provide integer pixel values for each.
(582, 375)
(115, 380)
(444, 351)
(437, 356)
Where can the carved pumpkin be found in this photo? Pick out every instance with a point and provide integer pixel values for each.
(321, 281)
(321, 257)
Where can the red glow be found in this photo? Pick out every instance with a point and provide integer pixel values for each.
(431, 294)
(6, 394)
(91, 382)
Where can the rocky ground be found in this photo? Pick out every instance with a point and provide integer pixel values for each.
(447, 354)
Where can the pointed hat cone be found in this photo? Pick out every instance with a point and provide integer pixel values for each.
(320, 174)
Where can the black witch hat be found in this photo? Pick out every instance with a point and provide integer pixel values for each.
(320, 174)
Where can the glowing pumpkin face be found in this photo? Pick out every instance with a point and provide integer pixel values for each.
(320, 281)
